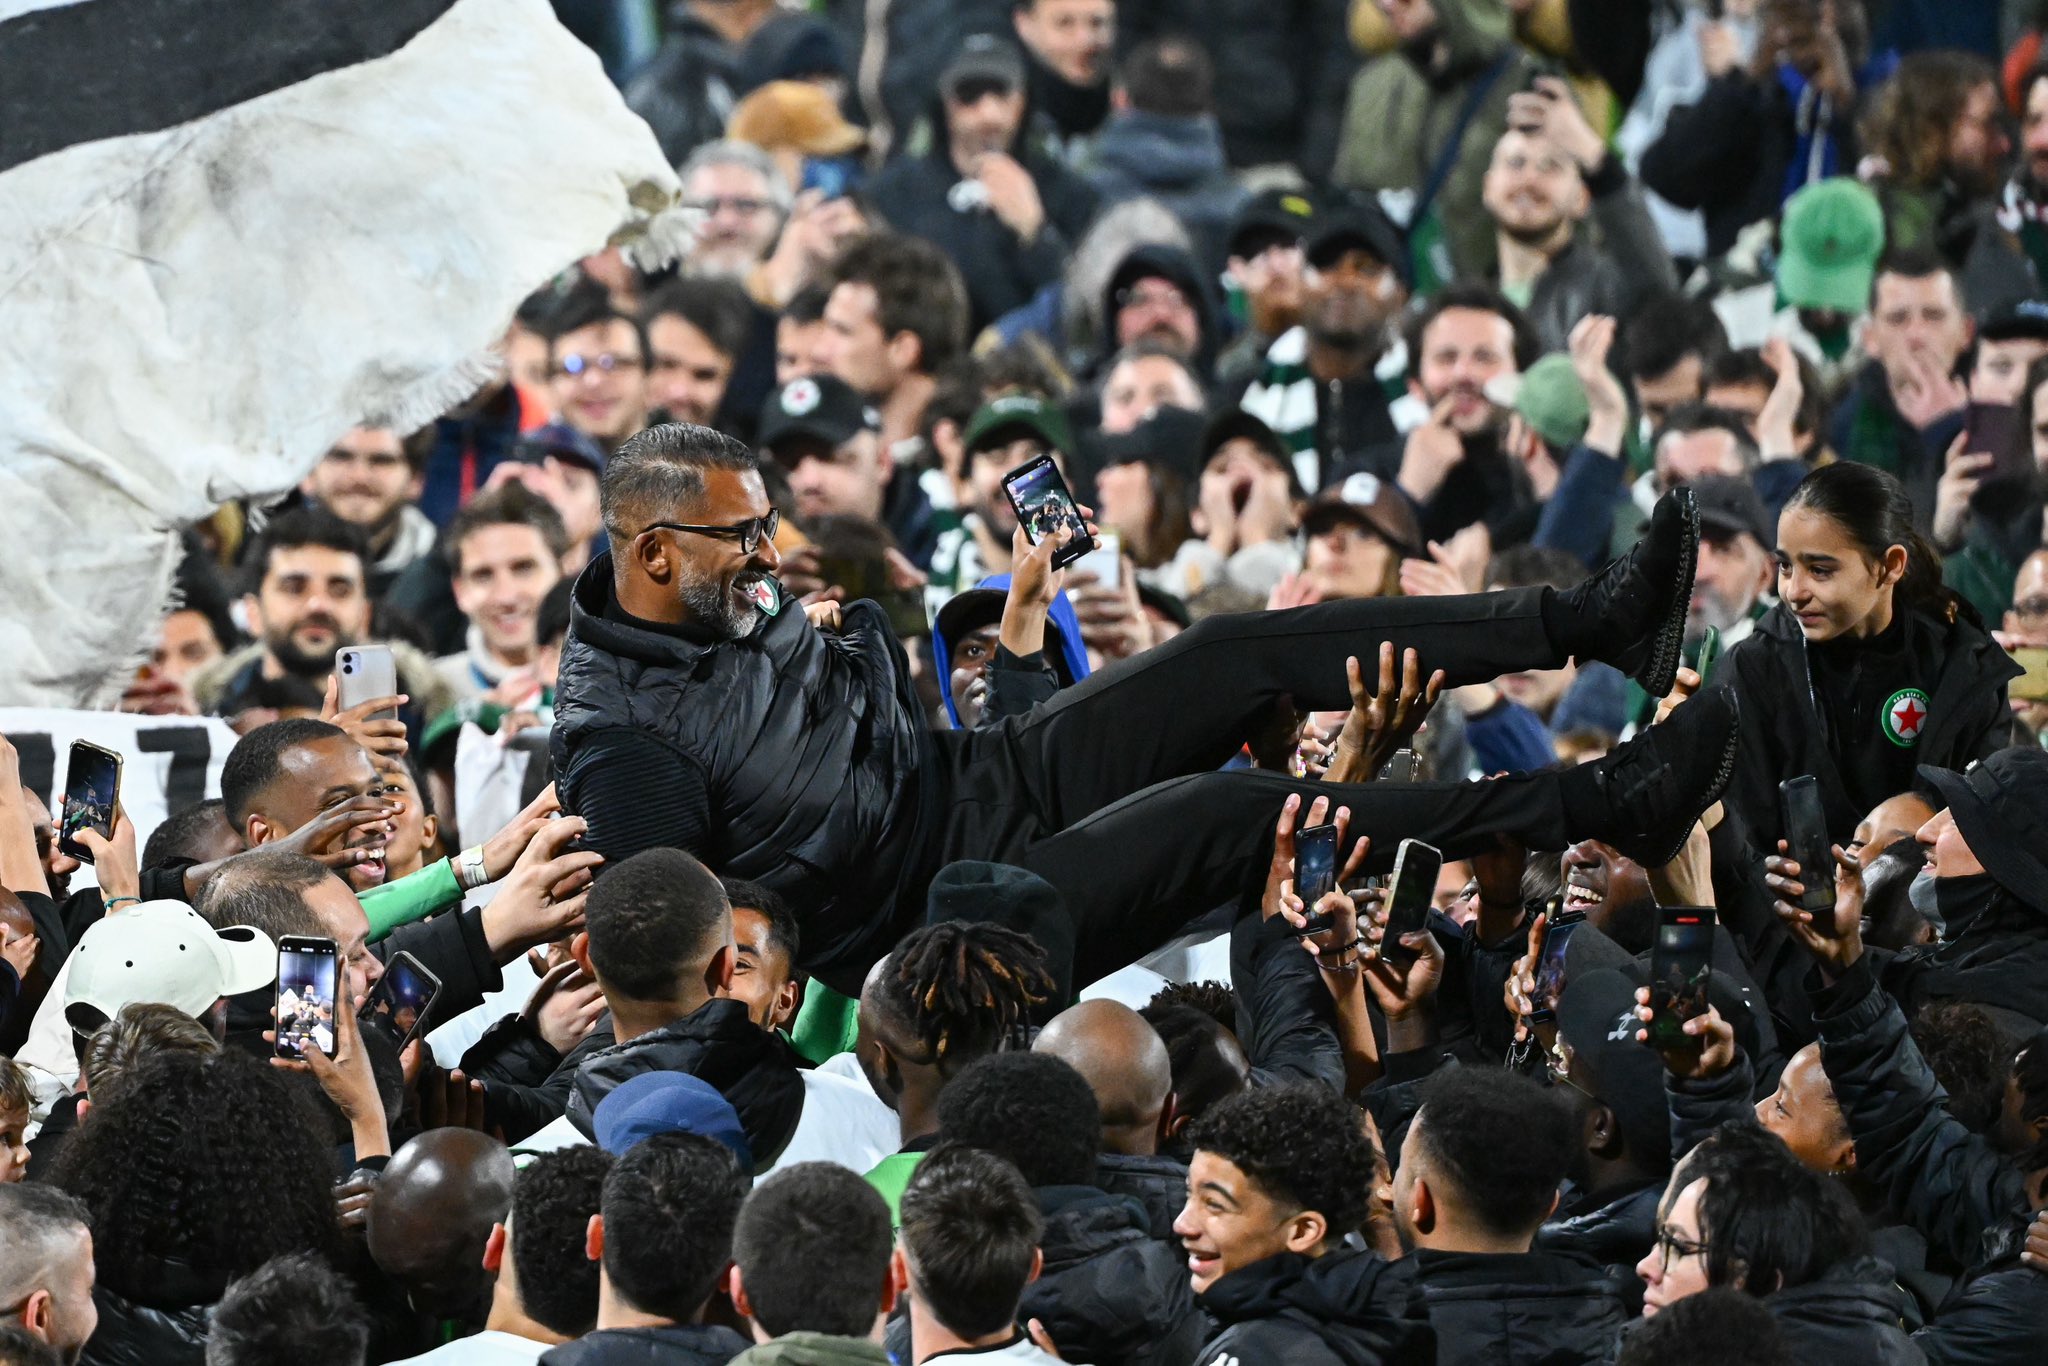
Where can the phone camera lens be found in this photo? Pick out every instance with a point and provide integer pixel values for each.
(348, 667)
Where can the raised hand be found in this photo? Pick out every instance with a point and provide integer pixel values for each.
(1838, 951)
(1710, 1052)
(1385, 720)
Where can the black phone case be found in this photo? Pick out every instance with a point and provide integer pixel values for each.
(1076, 548)
(1806, 835)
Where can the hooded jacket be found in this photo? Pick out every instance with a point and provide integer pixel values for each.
(1345, 1308)
(675, 1344)
(1400, 116)
(1177, 160)
(1014, 685)
(792, 757)
(716, 1043)
(1519, 1309)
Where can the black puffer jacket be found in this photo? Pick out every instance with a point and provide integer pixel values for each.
(1849, 1315)
(682, 1344)
(1998, 1315)
(1110, 1291)
(1345, 1308)
(1160, 1184)
(1616, 1234)
(1519, 1309)
(165, 1324)
(1947, 1182)
(802, 752)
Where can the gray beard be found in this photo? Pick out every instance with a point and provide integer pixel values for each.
(713, 608)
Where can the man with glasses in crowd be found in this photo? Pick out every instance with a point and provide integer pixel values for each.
(597, 369)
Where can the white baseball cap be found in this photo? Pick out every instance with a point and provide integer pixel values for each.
(162, 951)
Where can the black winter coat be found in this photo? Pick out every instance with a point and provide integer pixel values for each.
(1784, 729)
(691, 1344)
(1519, 1309)
(1345, 1308)
(917, 194)
(168, 1328)
(1616, 1234)
(792, 757)
(1160, 1184)
(1850, 1314)
(1947, 1182)
(1998, 1316)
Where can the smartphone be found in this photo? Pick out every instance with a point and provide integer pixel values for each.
(92, 785)
(1994, 429)
(1681, 964)
(399, 1003)
(1709, 655)
(1410, 893)
(307, 970)
(1558, 928)
(1106, 561)
(366, 671)
(1315, 872)
(2032, 686)
(1038, 492)
(1401, 767)
(833, 177)
(1806, 833)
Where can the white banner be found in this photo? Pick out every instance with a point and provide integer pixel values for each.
(169, 762)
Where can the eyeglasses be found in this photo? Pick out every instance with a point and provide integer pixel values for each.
(1671, 1246)
(739, 204)
(576, 367)
(747, 533)
(1166, 296)
(972, 90)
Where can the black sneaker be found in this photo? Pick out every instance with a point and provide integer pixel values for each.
(1648, 793)
(1632, 613)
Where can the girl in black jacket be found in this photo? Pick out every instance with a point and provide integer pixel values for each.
(1869, 666)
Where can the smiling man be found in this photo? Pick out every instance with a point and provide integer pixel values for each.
(505, 552)
(597, 368)
(372, 480)
(308, 599)
(1280, 1175)
(282, 776)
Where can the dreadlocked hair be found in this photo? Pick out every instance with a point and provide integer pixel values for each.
(965, 989)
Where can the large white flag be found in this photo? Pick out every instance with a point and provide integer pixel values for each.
(230, 229)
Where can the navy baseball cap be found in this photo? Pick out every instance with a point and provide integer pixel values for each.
(669, 1103)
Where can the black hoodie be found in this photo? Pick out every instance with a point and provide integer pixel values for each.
(1345, 1308)
(1519, 1308)
(716, 1043)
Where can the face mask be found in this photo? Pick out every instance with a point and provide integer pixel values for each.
(1922, 895)
(1961, 900)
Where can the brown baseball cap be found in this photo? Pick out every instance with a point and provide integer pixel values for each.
(797, 116)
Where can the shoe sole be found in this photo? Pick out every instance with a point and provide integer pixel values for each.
(1723, 773)
(1660, 672)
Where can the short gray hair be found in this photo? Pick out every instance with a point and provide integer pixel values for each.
(39, 1221)
(660, 471)
(732, 152)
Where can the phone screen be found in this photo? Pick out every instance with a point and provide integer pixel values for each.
(398, 1003)
(306, 972)
(1680, 966)
(1550, 974)
(1400, 768)
(1043, 504)
(1410, 894)
(1806, 832)
(1315, 864)
(92, 784)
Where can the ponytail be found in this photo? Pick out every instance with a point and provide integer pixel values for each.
(1872, 508)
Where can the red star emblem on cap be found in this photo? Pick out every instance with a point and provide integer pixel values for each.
(1906, 718)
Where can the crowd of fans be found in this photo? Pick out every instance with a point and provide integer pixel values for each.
(1537, 428)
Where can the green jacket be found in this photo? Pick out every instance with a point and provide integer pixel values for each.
(814, 1349)
(1398, 119)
